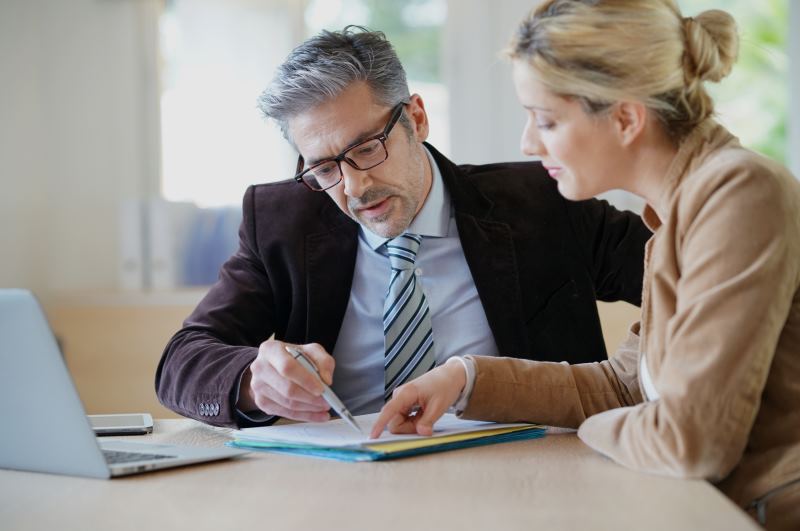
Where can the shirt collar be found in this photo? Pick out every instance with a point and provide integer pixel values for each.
(695, 148)
(432, 220)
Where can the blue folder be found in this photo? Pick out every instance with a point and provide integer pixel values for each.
(395, 450)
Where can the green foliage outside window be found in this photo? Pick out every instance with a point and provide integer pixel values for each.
(414, 28)
(753, 101)
(413, 42)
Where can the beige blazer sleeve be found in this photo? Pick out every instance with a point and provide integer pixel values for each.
(730, 304)
(724, 314)
(556, 394)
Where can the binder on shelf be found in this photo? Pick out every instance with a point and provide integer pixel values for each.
(131, 245)
(169, 224)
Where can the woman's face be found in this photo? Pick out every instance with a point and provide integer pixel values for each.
(579, 150)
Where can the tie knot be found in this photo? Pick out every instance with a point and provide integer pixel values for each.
(403, 250)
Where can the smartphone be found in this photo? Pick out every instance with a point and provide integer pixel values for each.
(123, 424)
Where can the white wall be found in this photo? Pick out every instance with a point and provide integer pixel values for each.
(75, 106)
(486, 118)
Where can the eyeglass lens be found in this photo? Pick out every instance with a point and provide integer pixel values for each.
(361, 157)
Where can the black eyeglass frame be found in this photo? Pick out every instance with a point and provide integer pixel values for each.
(383, 136)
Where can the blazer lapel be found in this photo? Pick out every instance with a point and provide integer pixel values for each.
(330, 262)
(489, 250)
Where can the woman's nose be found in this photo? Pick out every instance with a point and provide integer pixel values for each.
(531, 144)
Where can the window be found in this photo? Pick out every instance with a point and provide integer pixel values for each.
(415, 29)
(753, 102)
(217, 57)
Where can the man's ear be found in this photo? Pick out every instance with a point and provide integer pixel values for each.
(415, 111)
(629, 119)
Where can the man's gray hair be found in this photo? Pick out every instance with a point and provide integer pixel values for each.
(325, 65)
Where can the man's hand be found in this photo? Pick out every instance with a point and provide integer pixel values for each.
(277, 384)
(417, 405)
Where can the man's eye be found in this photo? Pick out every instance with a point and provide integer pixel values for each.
(368, 149)
(325, 170)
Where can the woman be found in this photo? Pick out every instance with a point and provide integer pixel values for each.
(708, 386)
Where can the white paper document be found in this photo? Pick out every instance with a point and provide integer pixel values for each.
(338, 434)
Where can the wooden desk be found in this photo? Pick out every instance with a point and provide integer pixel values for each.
(551, 483)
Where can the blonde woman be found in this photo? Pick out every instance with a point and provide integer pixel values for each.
(708, 384)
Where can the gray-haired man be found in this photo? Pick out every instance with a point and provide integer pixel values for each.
(382, 258)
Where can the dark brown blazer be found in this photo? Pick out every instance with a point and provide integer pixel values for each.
(539, 263)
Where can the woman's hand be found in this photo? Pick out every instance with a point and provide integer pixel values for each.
(416, 405)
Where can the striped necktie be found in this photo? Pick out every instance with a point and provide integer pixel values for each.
(408, 337)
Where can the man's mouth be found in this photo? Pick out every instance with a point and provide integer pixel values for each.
(375, 208)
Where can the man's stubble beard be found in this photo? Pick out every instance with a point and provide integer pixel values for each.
(405, 203)
(400, 210)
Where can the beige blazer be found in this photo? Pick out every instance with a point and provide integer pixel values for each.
(720, 333)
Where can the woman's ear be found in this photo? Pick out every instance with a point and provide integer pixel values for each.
(629, 119)
(415, 110)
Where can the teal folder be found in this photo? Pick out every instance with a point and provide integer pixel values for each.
(380, 451)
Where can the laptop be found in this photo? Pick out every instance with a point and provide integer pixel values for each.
(44, 425)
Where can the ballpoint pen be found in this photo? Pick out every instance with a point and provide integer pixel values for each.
(327, 393)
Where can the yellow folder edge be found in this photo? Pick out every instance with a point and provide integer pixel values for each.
(399, 446)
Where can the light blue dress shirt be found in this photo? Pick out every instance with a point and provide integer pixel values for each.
(457, 316)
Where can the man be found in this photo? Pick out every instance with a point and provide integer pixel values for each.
(386, 257)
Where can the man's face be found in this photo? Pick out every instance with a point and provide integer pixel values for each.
(383, 199)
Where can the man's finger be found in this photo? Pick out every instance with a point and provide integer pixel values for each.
(286, 389)
(271, 407)
(321, 359)
(290, 369)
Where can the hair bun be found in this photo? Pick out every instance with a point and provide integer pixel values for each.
(712, 45)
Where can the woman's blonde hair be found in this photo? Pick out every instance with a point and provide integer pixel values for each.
(603, 51)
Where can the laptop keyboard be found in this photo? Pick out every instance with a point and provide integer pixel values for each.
(115, 458)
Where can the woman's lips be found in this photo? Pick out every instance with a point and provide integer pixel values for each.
(553, 171)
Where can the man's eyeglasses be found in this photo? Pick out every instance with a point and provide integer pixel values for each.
(363, 156)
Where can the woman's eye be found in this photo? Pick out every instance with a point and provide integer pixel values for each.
(545, 125)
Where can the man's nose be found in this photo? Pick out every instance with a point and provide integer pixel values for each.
(355, 181)
(530, 143)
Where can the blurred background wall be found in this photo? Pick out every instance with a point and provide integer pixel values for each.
(129, 131)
